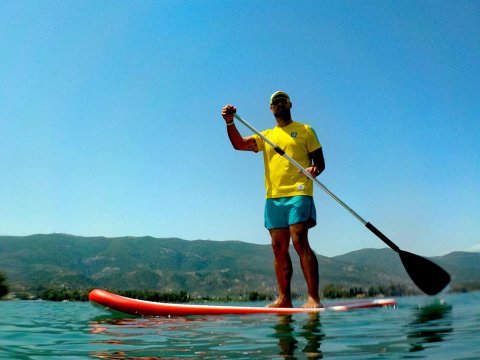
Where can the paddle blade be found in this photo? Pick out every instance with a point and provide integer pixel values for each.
(428, 276)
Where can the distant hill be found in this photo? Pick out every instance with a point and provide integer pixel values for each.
(202, 267)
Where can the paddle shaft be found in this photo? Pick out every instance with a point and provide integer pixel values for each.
(280, 151)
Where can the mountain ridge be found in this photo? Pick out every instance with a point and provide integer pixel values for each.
(202, 267)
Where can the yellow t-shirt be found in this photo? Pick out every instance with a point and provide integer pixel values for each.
(281, 177)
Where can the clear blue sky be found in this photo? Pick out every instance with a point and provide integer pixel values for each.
(110, 117)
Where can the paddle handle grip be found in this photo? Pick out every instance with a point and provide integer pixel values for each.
(382, 237)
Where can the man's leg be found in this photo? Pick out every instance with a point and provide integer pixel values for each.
(308, 261)
(283, 266)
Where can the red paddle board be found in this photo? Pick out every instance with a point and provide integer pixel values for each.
(149, 308)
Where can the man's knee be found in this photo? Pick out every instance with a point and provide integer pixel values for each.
(299, 234)
(280, 241)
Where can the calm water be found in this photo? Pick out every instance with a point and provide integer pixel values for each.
(420, 327)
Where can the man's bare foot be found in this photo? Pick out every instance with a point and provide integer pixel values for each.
(281, 303)
(312, 303)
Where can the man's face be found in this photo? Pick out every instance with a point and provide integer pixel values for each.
(281, 106)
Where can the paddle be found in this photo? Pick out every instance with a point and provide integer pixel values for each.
(428, 276)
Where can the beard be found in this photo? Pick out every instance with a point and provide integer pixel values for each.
(282, 112)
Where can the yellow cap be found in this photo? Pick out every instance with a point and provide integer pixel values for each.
(278, 95)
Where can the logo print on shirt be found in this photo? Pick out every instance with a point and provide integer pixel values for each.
(293, 134)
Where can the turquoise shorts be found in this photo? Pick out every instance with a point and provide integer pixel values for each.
(282, 212)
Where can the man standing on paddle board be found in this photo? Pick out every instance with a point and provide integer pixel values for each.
(289, 207)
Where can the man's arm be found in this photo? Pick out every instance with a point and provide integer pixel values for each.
(238, 142)
(318, 162)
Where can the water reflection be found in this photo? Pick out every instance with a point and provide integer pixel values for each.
(284, 333)
(287, 336)
(141, 338)
(311, 332)
(431, 324)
